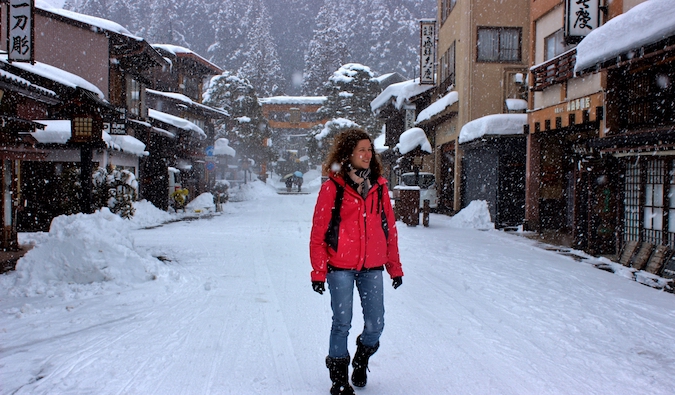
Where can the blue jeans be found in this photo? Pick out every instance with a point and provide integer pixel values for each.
(341, 286)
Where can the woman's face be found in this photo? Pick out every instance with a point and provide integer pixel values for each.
(362, 155)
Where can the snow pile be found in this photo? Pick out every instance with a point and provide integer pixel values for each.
(644, 24)
(411, 139)
(202, 203)
(504, 124)
(81, 253)
(398, 94)
(253, 190)
(147, 215)
(516, 104)
(438, 106)
(474, 216)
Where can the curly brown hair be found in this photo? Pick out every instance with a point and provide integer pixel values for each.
(342, 150)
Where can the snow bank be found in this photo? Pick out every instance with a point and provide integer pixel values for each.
(202, 203)
(411, 139)
(475, 216)
(505, 124)
(644, 24)
(82, 253)
(147, 215)
(253, 190)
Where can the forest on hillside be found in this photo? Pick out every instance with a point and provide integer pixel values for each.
(282, 46)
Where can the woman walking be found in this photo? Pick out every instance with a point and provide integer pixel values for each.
(353, 240)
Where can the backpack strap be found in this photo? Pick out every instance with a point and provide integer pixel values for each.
(380, 207)
(331, 237)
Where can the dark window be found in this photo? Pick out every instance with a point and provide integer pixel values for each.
(499, 44)
(446, 8)
(448, 67)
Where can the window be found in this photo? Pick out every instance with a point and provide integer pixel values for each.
(134, 96)
(295, 115)
(448, 67)
(499, 44)
(555, 45)
(653, 208)
(446, 8)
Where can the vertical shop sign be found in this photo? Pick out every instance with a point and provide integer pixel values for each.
(427, 51)
(20, 31)
(581, 17)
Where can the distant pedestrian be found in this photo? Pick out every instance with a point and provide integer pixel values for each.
(298, 182)
(353, 245)
(289, 183)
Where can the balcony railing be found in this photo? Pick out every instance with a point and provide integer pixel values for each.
(554, 71)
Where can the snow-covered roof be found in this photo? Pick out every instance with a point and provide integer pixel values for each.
(23, 82)
(59, 132)
(185, 99)
(222, 147)
(293, 100)
(100, 23)
(437, 107)
(399, 93)
(55, 132)
(125, 143)
(176, 121)
(411, 139)
(178, 51)
(495, 124)
(644, 24)
(516, 104)
(55, 74)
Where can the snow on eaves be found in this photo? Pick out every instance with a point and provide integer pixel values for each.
(100, 23)
(176, 121)
(646, 23)
(57, 75)
(59, 132)
(177, 49)
(318, 100)
(125, 143)
(187, 100)
(5, 75)
(398, 94)
(495, 124)
(411, 139)
(437, 107)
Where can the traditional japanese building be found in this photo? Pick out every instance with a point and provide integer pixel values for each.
(636, 142)
(481, 55)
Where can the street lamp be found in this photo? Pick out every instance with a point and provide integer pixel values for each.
(83, 133)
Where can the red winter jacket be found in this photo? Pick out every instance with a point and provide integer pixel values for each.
(361, 239)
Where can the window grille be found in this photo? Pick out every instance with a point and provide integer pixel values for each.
(653, 207)
(632, 202)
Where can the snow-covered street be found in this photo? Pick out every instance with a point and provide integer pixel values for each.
(231, 311)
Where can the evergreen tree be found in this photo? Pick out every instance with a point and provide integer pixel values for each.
(248, 132)
(261, 65)
(349, 92)
(327, 50)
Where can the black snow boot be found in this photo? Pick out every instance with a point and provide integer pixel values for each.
(339, 375)
(360, 362)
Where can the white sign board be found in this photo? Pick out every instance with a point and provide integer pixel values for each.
(427, 52)
(20, 30)
(581, 17)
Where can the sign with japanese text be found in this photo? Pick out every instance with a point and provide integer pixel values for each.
(581, 17)
(427, 52)
(20, 31)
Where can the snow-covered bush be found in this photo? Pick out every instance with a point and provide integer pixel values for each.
(116, 190)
